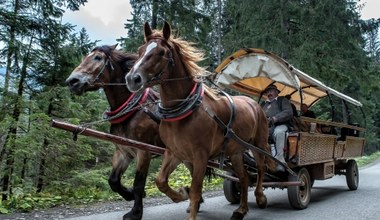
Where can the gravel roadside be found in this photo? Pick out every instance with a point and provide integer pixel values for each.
(63, 212)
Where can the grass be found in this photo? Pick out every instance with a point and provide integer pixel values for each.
(365, 160)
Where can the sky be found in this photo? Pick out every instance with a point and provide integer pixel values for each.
(104, 19)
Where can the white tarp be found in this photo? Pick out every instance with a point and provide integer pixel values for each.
(253, 70)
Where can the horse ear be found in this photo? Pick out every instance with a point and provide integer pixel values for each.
(147, 30)
(166, 30)
(113, 47)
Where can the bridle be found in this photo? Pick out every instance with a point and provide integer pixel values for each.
(158, 79)
(101, 72)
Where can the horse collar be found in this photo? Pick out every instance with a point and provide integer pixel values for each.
(127, 109)
(185, 108)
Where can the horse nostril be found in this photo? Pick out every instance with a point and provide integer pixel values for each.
(137, 79)
(72, 81)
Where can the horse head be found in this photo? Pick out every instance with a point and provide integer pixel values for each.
(94, 70)
(155, 56)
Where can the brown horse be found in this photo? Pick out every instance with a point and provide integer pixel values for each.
(187, 129)
(105, 67)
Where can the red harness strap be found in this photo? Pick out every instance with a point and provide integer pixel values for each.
(144, 97)
(190, 111)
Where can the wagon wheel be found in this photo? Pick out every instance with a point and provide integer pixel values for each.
(312, 181)
(299, 196)
(352, 175)
(231, 190)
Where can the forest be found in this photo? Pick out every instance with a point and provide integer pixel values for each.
(41, 165)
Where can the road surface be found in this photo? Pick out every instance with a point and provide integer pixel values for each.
(330, 199)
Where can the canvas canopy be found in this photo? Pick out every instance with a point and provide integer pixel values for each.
(251, 70)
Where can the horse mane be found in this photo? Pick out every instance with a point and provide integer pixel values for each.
(189, 54)
(123, 59)
(211, 93)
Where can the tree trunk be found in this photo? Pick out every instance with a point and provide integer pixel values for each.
(154, 14)
(41, 174)
(285, 27)
(11, 48)
(10, 143)
(219, 31)
(10, 52)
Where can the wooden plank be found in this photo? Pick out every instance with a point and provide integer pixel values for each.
(332, 123)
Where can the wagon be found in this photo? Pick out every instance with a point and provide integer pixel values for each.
(317, 149)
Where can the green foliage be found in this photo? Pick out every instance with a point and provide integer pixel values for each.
(365, 160)
(180, 178)
(178, 13)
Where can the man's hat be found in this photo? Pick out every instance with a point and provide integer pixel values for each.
(271, 86)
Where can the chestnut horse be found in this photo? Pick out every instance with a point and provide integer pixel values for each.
(187, 129)
(105, 67)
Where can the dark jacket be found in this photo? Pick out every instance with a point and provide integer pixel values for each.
(279, 108)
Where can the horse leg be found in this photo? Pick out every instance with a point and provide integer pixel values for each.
(189, 166)
(169, 163)
(241, 173)
(197, 176)
(143, 162)
(120, 163)
(261, 199)
(262, 162)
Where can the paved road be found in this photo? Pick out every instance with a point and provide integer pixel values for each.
(330, 199)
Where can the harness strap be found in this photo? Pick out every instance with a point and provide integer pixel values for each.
(185, 108)
(126, 110)
(147, 111)
(227, 129)
(244, 143)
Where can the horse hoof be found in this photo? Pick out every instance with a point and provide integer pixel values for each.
(237, 216)
(133, 215)
(184, 192)
(262, 203)
(128, 195)
(199, 206)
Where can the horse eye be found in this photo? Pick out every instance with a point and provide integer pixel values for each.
(161, 53)
(98, 58)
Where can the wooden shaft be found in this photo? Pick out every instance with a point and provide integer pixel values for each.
(107, 137)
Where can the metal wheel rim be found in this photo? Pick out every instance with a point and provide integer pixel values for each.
(303, 190)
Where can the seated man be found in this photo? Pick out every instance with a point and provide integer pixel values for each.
(279, 113)
(306, 112)
(295, 113)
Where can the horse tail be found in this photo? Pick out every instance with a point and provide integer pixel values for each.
(270, 163)
(262, 121)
